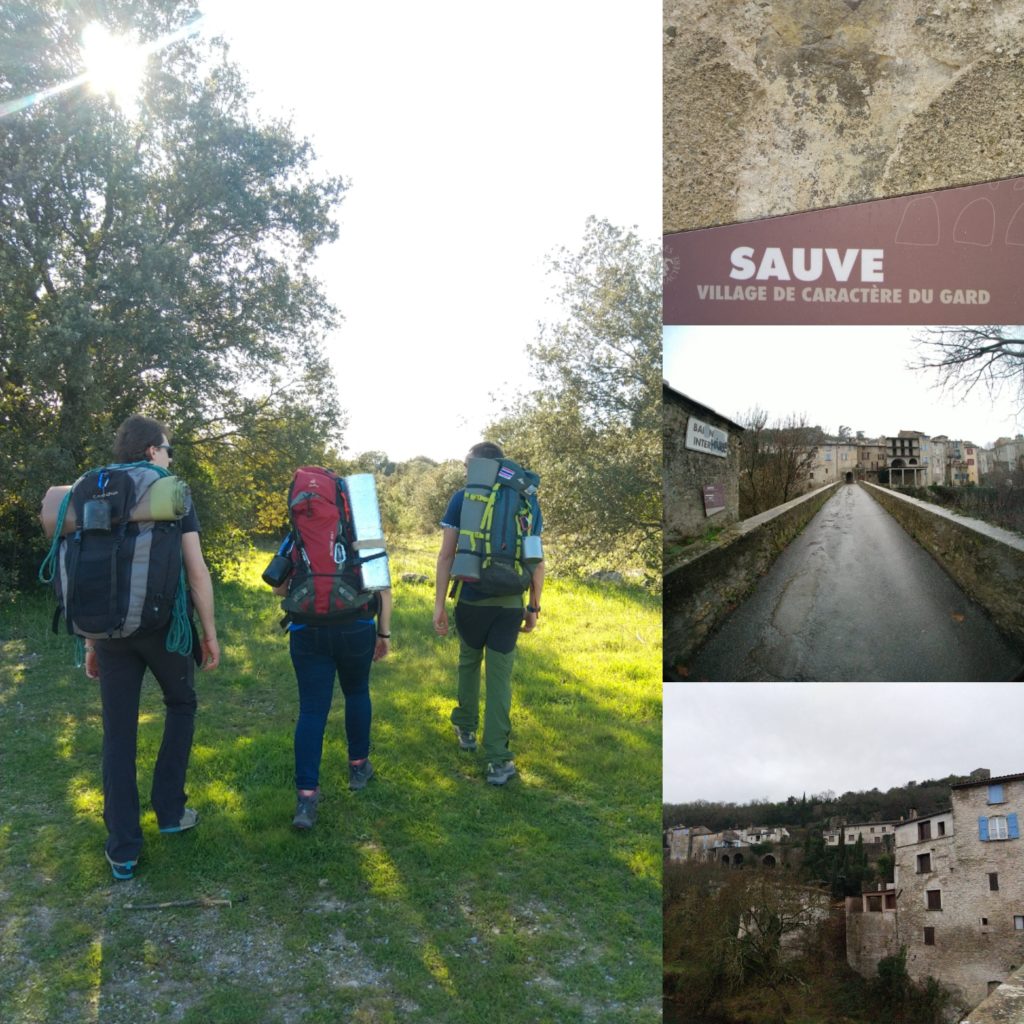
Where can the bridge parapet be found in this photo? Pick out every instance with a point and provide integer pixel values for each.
(1004, 1005)
(985, 560)
(711, 580)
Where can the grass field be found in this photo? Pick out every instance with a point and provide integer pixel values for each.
(429, 896)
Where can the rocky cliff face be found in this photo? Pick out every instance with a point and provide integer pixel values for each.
(774, 106)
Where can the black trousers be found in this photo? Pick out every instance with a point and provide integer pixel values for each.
(122, 665)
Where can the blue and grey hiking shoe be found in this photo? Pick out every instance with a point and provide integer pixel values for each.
(189, 819)
(499, 772)
(467, 739)
(305, 811)
(123, 871)
(360, 774)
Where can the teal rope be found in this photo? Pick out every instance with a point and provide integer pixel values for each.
(49, 567)
(179, 635)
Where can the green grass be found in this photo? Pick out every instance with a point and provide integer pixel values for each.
(430, 896)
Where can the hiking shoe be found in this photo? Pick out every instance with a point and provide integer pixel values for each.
(305, 811)
(123, 871)
(467, 740)
(499, 772)
(360, 774)
(189, 819)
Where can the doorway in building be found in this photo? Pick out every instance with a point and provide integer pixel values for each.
(849, 478)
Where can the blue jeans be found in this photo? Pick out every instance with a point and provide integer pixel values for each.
(318, 654)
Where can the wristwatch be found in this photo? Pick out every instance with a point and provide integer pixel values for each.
(535, 608)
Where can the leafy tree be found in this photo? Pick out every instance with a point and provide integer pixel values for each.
(592, 427)
(159, 264)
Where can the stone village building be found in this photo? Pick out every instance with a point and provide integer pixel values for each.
(873, 833)
(957, 900)
(730, 847)
(701, 466)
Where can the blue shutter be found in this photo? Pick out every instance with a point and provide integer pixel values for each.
(1011, 821)
(995, 794)
(983, 829)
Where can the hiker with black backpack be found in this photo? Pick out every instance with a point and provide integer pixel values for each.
(491, 552)
(124, 543)
(332, 571)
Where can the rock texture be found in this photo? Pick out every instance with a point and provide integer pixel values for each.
(775, 106)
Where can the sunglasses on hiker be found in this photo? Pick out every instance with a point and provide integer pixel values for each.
(167, 448)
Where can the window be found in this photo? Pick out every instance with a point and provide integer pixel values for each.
(872, 830)
(984, 922)
(998, 826)
(934, 899)
(993, 881)
(942, 828)
(995, 794)
(1018, 922)
(924, 863)
(875, 904)
(929, 936)
(924, 831)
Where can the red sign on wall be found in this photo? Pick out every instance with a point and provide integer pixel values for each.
(714, 498)
(954, 256)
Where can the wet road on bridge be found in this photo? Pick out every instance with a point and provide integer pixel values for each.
(855, 598)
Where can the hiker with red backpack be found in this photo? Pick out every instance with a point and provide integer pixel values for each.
(120, 577)
(332, 572)
(491, 552)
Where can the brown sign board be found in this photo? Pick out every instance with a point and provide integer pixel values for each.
(714, 498)
(954, 256)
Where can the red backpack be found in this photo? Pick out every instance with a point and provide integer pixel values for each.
(325, 585)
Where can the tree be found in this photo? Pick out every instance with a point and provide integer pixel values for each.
(592, 428)
(159, 264)
(774, 460)
(964, 357)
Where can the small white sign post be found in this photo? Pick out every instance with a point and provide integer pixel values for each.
(702, 437)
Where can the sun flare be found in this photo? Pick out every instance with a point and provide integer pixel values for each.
(115, 65)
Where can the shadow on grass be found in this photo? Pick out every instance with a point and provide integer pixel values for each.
(418, 893)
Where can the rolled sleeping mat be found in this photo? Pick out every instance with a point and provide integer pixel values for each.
(481, 475)
(167, 498)
(369, 543)
(511, 474)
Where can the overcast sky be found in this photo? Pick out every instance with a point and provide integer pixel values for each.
(477, 139)
(855, 376)
(743, 741)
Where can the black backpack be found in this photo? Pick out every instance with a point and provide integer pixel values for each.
(113, 576)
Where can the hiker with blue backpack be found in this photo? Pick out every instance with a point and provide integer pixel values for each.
(125, 539)
(332, 572)
(491, 553)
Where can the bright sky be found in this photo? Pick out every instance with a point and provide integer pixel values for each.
(743, 741)
(855, 376)
(477, 139)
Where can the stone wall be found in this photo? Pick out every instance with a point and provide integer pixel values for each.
(987, 562)
(716, 575)
(869, 937)
(686, 472)
(1004, 1006)
(775, 106)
